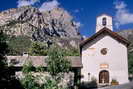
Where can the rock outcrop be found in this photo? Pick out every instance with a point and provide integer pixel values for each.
(128, 34)
(45, 26)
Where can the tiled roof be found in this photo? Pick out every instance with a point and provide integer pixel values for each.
(108, 32)
(19, 61)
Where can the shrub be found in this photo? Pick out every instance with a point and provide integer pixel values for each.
(29, 82)
(27, 67)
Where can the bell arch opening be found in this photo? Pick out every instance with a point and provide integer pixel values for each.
(104, 21)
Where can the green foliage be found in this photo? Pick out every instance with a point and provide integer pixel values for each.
(3, 44)
(41, 49)
(38, 49)
(40, 69)
(130, 63)
(57, 63)
(71, 52)
(18, 45)
(5, 73)
(3, 49)
(114, 80)
(50, 84)
(29, 82)
(27, 68)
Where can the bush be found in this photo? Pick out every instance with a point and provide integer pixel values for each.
(50, 84)
(27, 67)
(29, 82)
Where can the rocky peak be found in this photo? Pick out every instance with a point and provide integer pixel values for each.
(128, 34)
(41, 26)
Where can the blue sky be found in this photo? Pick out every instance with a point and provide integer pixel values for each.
(86, 11)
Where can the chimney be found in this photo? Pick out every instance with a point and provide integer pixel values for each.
(25, 54)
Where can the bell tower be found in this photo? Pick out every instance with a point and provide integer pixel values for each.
(104, 21)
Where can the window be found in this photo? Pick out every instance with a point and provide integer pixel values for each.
(89, 77)
(14, 61)
(104, 21)
(104, 51)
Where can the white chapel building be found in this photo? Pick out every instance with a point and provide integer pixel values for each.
(104, 55)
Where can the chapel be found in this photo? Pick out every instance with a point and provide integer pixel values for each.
(104, 55)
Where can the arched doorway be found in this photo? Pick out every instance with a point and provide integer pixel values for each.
(104, 76)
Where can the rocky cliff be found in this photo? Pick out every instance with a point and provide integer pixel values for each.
(128, 34)
(49, 26)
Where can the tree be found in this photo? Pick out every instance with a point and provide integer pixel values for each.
(130, 63)
(5, 76)
(57, 63)
(3, 49)
(38, 49)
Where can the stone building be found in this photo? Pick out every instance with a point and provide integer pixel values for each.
(104, 55)
(16, 63)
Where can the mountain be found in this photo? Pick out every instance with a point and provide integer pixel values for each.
(56, 25)
(128, 34)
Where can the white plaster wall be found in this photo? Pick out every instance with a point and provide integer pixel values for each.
(99, 25)
(116, 58)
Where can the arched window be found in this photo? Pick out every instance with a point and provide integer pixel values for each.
(104, 21)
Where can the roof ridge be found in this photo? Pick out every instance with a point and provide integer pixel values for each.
(113, 34)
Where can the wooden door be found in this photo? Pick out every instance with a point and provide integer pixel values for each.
(104, 77)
